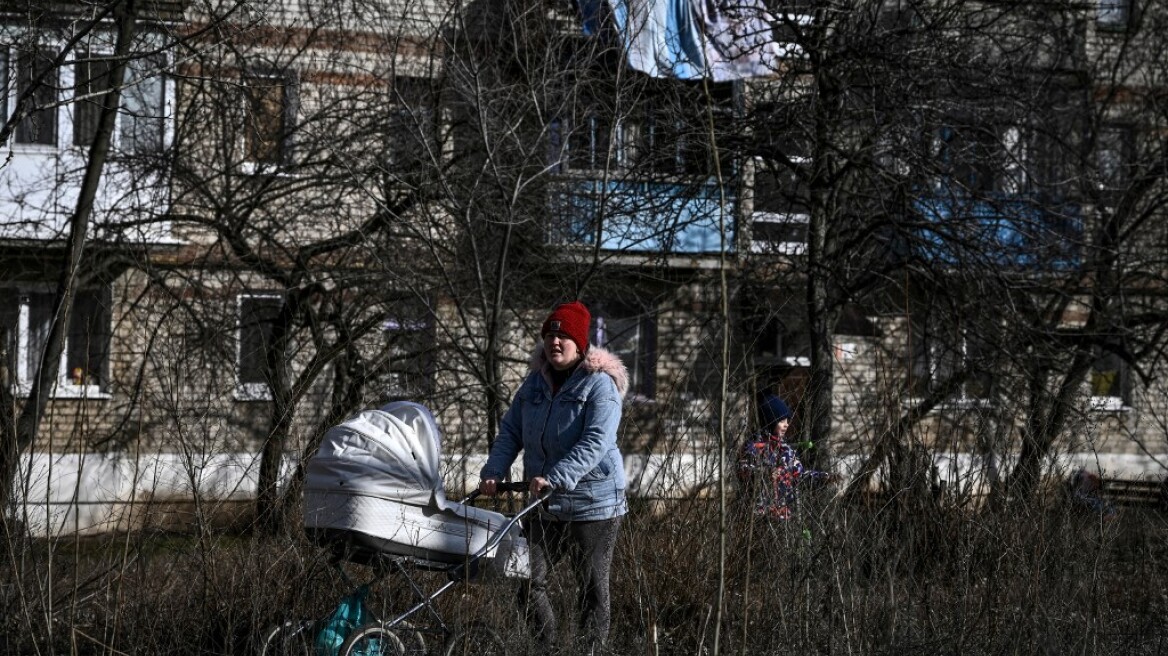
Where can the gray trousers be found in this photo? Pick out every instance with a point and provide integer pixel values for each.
(589, 547)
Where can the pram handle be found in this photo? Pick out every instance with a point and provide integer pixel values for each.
(516, 486)
(468, 569)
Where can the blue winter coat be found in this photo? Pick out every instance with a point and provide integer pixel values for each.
(569, 439)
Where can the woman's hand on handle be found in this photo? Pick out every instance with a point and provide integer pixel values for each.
(488, 487)
(539, 485)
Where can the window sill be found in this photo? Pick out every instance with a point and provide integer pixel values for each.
(622, 174)
(34, 149)
(953, 404)
(1109, 404)
(1112, 26)
(267, 169)
(249, 392)
(788, 248)
(70, 391)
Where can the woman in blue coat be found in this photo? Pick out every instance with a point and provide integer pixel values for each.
(564, 419)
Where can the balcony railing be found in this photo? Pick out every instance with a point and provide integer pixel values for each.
(642, 216)
(1010, 231)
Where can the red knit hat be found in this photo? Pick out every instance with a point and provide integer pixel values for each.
(570, 319)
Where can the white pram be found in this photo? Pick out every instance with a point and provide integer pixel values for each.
(374, 495)
(376, 481)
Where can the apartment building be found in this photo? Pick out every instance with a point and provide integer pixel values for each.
(312, 209)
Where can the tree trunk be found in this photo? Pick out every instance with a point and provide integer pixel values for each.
(283, 408)
(22, 436)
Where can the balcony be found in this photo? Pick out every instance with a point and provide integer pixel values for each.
(645, 216)
(1007, 231)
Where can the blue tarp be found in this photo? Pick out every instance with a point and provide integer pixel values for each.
(1009, 231)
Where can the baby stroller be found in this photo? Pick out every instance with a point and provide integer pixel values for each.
(374, 496)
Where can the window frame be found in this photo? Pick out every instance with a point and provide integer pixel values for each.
(1115, 151)
(642, 365)
(21, 136)
(284, 147)
(653, 138)
(788, 247)
(772, 346)
(785, 205)
(931, 341)
(66, 386)
(1113, 14)
(124, 136)
(566, 135)
(1120, 402)
(401, 331)
(64, 106)
(415, 119)
(249, 390)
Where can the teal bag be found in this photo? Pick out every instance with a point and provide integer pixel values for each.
(349, 614)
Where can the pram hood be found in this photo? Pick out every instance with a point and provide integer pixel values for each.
(377, 475)
(391, 453)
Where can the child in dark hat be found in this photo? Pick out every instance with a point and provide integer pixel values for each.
(768, 468)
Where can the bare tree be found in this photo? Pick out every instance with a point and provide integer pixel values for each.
(37, 100)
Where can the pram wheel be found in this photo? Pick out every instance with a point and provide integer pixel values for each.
(288, 639)
(372, 640)
(412, 642)
(475, 639)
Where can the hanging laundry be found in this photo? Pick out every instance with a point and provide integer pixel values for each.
(691, 39)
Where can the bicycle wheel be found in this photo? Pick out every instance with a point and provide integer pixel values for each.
(372, 640)
(287, 639)
(475, 639)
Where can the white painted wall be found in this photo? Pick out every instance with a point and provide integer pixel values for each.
(60, 494)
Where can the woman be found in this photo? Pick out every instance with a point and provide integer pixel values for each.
(564, 418)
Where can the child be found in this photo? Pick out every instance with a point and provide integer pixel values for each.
(768, 468)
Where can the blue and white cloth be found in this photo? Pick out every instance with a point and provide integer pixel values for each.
(692, 39)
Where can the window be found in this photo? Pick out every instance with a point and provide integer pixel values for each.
(270, 110)
(1113, 156)
(257, 315)
(25, 317)
(5, 85)
(1113, 14)
(1013, 178)
(942, 352)
(413, 140)
(966, 156)
(666, 134)
(778, 234)
(675, 146)
(990, 158)
(779, 221)
(35, 72)
(631, 336)
(592, 141)
(92, 82)
(141, 121)
(408, 344)
(778, 343)
(1110, 382)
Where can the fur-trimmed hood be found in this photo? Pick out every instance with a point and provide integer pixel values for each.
(597, 360)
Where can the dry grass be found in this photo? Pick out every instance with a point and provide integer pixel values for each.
(896, 577)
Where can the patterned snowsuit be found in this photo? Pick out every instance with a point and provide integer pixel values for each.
(769, 472)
